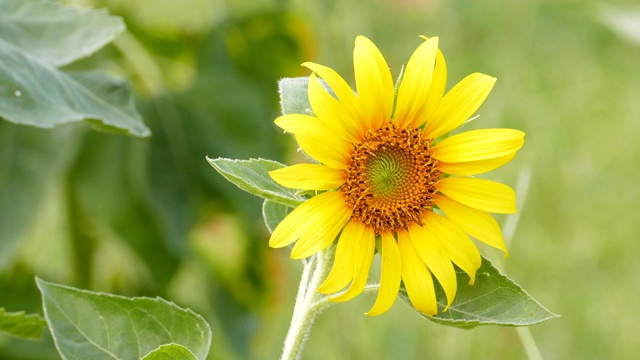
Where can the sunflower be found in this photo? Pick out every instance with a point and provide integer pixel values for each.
(390, 178)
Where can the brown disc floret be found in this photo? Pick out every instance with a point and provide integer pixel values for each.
(391, 179)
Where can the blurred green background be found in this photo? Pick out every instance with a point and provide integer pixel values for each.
(151, 217)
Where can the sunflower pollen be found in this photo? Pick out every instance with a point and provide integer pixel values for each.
(391, 178)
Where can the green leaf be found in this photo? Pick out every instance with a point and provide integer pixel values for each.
(31, 161)
(253, 177)
(110, 200)
(109, 105)
(89, 325)
(54, 34)
(33, 92)
(170, 352)
(494, 299)
(273, 213)
(20, 325)
(294, 98)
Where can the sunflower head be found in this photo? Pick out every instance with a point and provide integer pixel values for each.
(387, 170)
(391, 178)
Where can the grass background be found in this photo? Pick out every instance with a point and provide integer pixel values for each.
(205, 73)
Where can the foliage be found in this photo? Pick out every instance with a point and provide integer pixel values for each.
(21, 325)
(36, 92)
(253, 177)
(170, 352)
(103, 211)
(494, 299)
(88, 325)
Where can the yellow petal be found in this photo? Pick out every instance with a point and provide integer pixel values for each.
(340, 87)
(478, 145)
(321, 232)
(391, 271)
(462, 251)
(308, 177)
(332, 113)
(288, 122)
(416, 82)
(319, 209)
(344, 267)
(459, 104)
(319, 142)
(474, 167)
(373, 83)
(436, 90)
(479, 224)
(436, 257)
(481, 194)
(416, 277)
(363, 256)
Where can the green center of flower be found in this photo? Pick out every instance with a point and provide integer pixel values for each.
(391, 179)
(385, 173)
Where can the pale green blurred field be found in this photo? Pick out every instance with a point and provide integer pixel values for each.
(564, 78)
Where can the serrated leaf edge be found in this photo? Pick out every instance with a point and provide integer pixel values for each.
(275, 197)
(40, 282)
(469, 324)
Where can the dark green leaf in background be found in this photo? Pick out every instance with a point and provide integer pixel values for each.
(31, 162)
(35, 37)
(494, 299)
(32, 93)
(21, 325)
(107, 197)
(89, 325)
(54, 34)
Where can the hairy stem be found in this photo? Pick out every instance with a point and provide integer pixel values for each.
(309, 303)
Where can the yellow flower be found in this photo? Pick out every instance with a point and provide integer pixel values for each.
(387, 176)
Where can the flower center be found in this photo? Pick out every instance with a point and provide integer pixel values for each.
(391, 179)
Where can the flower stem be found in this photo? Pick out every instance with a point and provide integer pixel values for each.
(508, 231)
(529, 343)
(309, 303)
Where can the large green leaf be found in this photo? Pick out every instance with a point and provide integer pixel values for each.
(253, 177)
(89, 325)
(54, 34)
(170, 352)
(494, 299)
(34, 92)
(37, 94)
(21, 325)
